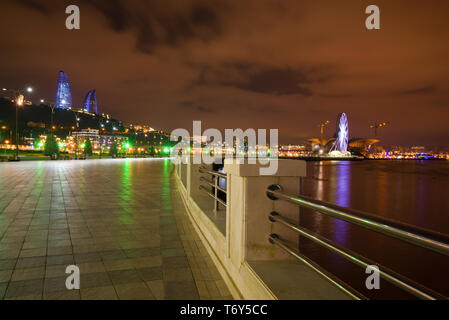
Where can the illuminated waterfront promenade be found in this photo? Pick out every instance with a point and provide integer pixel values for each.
(121, 221)
(147, 229)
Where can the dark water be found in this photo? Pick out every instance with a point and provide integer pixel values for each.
(414, 192)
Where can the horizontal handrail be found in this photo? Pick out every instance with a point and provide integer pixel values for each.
(391, 276)
(213, 185)
(214, 173)
(275, 239)
(414, 235)
(204, 189)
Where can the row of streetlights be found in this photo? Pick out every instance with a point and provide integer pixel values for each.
(19, 102)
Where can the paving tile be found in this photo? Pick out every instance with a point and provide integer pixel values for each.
(177, 274)
(56, 284)
(181, 290)
(55, 271)
(123, 264)
(224, 291)
(212, 289)
(5, 275)
(87, 257)
(28, 274)
(25, 263)
(35, 244)
(173, 252)
(124, 276)
(29, 297)
(99, 293)
(64, 260)
(63, 295)
(91, 267)
(93, 280)
(58, 251)
(59, 237)
(36, 252)
(142, 252)
(150, 274)
(9, 254)
(59, 243)
(7, 264)
(24, 288)
(175, 262)
(145, 262)
(157, 288)
(134, 291)
(202, 289)
(3, 287)
(113, 255)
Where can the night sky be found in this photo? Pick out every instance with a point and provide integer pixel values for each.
(286, 64)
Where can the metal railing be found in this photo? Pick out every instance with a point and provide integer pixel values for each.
(214, 184)
(428, 239)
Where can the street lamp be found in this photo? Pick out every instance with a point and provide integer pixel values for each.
(19, 100)
(77, 119)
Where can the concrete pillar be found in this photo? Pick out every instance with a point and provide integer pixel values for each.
(248, 226)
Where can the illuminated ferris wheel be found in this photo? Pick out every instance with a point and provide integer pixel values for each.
(342, 135)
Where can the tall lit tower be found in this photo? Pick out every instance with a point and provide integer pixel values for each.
(90, 102)
(63, 93)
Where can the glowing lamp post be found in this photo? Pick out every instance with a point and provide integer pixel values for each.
(19, 100)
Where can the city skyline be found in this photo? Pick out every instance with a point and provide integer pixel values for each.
(216, 150)
(271, 63)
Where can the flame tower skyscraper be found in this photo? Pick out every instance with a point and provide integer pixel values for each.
(63, 93)
(90, 102)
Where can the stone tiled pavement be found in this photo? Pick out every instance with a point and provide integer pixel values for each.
(120, 221)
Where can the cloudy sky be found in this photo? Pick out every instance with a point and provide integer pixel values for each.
(285, 64)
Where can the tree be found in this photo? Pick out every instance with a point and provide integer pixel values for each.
(113, 151)
(51, 147)
(88, 148)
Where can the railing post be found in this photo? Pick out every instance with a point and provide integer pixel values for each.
(248, 226)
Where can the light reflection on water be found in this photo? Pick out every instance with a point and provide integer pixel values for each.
(414, 192)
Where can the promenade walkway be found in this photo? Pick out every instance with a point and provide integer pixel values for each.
(120, 221)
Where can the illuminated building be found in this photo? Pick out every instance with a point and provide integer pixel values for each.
(292, 151)
(362, 146)
(90, 102)
(63, 93)
(142, 128)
